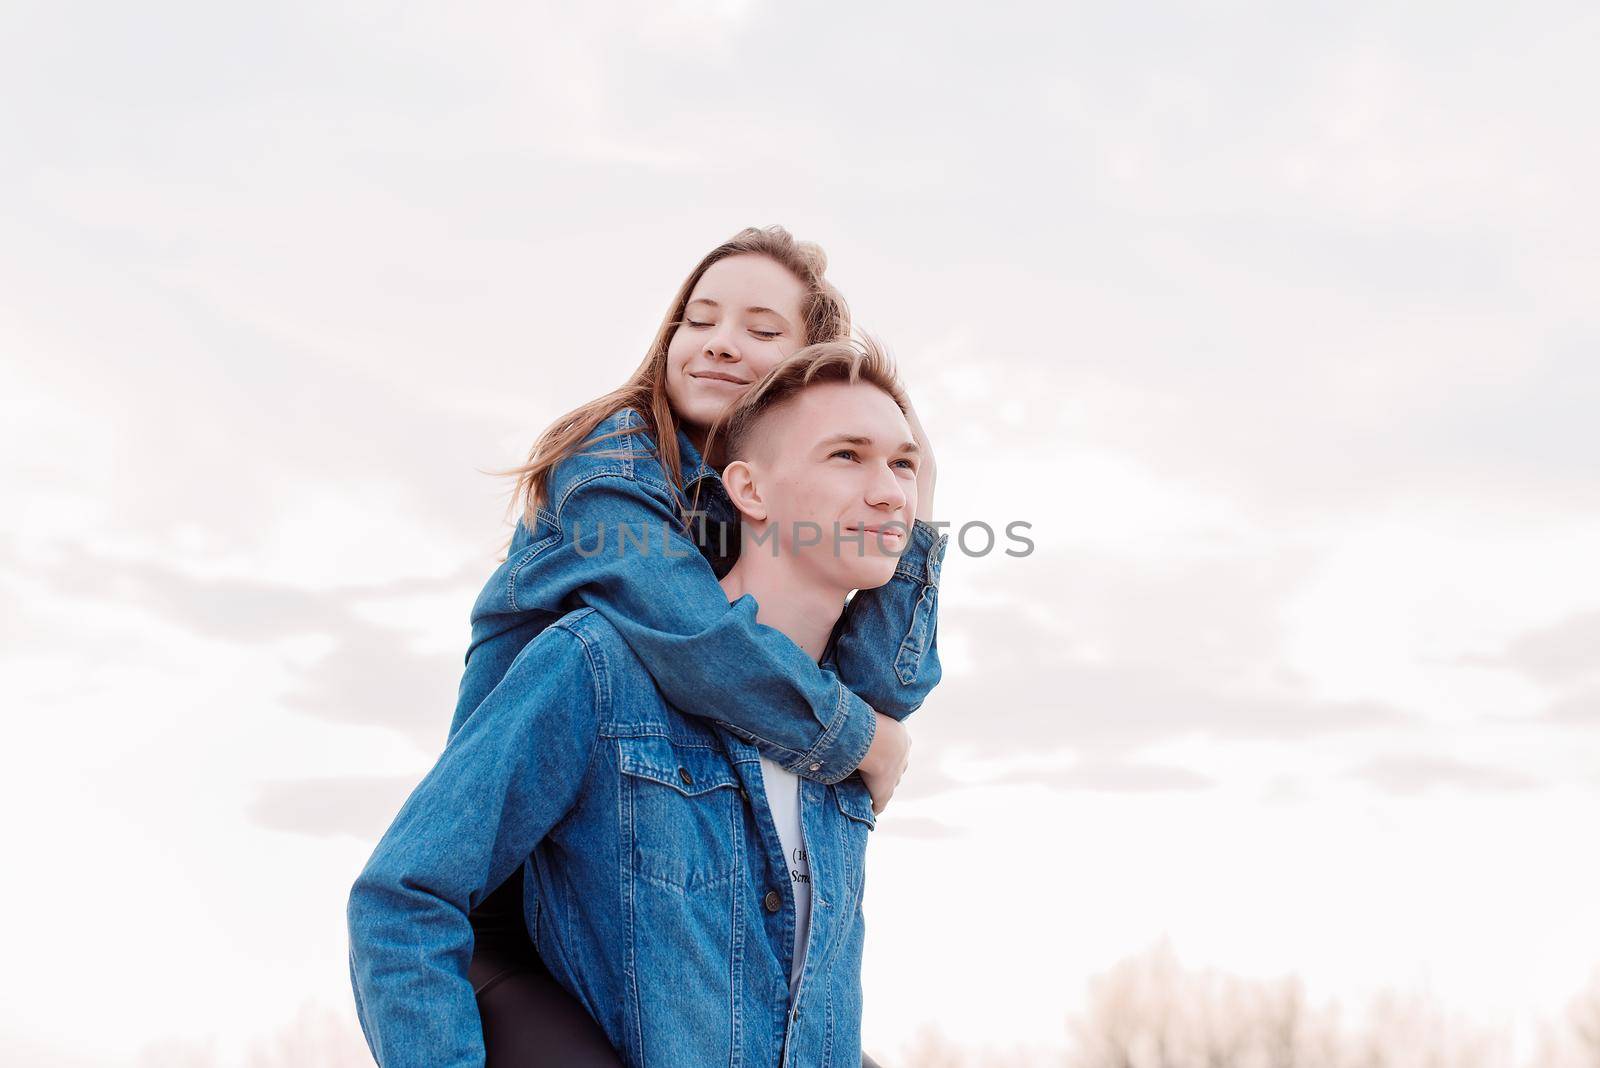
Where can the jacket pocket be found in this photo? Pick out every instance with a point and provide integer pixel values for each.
(855, 800)
(681, 812)
(855, 806)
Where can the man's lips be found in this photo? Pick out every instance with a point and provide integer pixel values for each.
(717, 376)
(882, 532)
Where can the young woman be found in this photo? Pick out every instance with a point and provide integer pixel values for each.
(644, 543)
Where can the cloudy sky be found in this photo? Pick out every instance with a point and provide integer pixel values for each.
(1277, 323)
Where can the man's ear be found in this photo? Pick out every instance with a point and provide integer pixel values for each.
(739, 479)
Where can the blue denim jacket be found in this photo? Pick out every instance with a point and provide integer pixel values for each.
(661, 593)
(658, 893)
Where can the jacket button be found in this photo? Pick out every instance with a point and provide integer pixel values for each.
(773, 901)
(816, 767)
(683, 773)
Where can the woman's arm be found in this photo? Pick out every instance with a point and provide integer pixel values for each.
(521, 755)
(887, 649)
(709, 658)
(622, 551)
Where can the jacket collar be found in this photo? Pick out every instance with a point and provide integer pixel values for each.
(694, 465)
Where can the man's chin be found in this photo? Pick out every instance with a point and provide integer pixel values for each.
(870, 572)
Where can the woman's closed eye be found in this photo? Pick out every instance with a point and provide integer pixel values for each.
(764, 335)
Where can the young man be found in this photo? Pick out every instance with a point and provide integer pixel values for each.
(702, 903)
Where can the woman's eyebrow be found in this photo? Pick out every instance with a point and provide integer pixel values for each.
(755, 308)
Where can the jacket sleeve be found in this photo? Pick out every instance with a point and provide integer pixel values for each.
(887, 648)
(506, 777)
(621, 550)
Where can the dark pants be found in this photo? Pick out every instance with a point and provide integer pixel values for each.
(529, 1021)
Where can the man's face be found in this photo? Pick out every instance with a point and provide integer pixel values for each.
(835, 466)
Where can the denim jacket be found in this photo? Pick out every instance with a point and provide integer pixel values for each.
(659, 894)
(609, 537)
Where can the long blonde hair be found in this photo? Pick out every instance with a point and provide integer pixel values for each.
(824, 315)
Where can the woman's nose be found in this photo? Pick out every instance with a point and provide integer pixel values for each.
(721, 345)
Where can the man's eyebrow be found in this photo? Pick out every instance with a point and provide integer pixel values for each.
(866, 442)
(754, 308)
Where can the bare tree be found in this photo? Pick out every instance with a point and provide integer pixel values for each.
(1149, 1012)
(179, 1053)
(931, 1049)
(1584, 1015)
(317, 1037)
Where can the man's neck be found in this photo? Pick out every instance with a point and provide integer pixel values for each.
(786, 598)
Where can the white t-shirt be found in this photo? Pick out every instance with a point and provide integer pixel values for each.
(783, 794)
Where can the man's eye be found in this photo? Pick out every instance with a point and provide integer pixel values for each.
(911, 465)
(842, 452)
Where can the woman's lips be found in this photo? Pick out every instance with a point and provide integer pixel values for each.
(719, 379)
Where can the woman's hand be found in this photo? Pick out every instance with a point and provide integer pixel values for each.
(886, 760)
(927, 470)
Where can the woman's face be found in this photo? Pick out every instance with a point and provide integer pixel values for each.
(742, 319)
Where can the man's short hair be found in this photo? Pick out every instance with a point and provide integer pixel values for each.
(738, 432)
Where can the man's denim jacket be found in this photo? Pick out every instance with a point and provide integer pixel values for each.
(610, 536)
(658, 892)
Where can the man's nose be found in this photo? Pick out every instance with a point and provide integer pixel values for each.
(886, 489)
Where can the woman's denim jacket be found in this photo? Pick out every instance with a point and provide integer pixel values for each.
(610, 537)
(658, 891)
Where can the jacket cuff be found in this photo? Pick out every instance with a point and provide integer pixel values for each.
(843, 746)
(924, 555)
